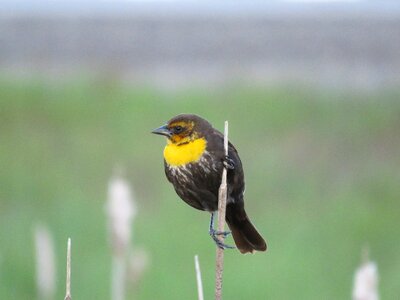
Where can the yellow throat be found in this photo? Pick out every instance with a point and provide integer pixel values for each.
(179, 155)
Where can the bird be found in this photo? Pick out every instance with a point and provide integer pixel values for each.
(194, 159)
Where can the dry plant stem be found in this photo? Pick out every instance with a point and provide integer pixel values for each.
(68, 282)
(45, 263)
(198, 278)
(219, 267)
(118, 277)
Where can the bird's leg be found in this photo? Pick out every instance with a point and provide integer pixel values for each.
(228, 162)
(215, 233)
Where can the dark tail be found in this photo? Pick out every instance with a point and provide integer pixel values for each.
(245, 235)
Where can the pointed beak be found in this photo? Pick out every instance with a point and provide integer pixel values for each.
(163, 130)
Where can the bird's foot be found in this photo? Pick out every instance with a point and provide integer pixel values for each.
(228, 162)
(214, 232)
(214, 235)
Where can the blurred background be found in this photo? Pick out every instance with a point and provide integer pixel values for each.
(311, 91)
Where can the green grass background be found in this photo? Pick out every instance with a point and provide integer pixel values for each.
(322, 181)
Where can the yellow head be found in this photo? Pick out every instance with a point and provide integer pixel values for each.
(186, 141)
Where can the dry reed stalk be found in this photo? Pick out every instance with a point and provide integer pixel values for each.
(366, 280)
(121, 211)
(118, 278)
(68, 280)
(198, 278)
(222, 193)
(45, 263)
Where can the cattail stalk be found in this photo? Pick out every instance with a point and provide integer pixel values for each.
(118, 278)
(45, 263)
(366, 280)
(198, 278)
(121, 211)
(222, 194)
(68, 280)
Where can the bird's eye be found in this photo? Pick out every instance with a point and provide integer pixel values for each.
(178, 129)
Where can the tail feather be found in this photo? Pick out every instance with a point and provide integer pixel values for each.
(245, 235)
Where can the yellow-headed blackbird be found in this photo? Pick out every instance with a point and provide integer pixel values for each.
(194, 158)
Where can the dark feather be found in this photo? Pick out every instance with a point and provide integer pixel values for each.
(198, 183)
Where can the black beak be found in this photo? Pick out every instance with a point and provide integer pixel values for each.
(163, 130)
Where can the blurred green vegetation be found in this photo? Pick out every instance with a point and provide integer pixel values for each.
(322, 181)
